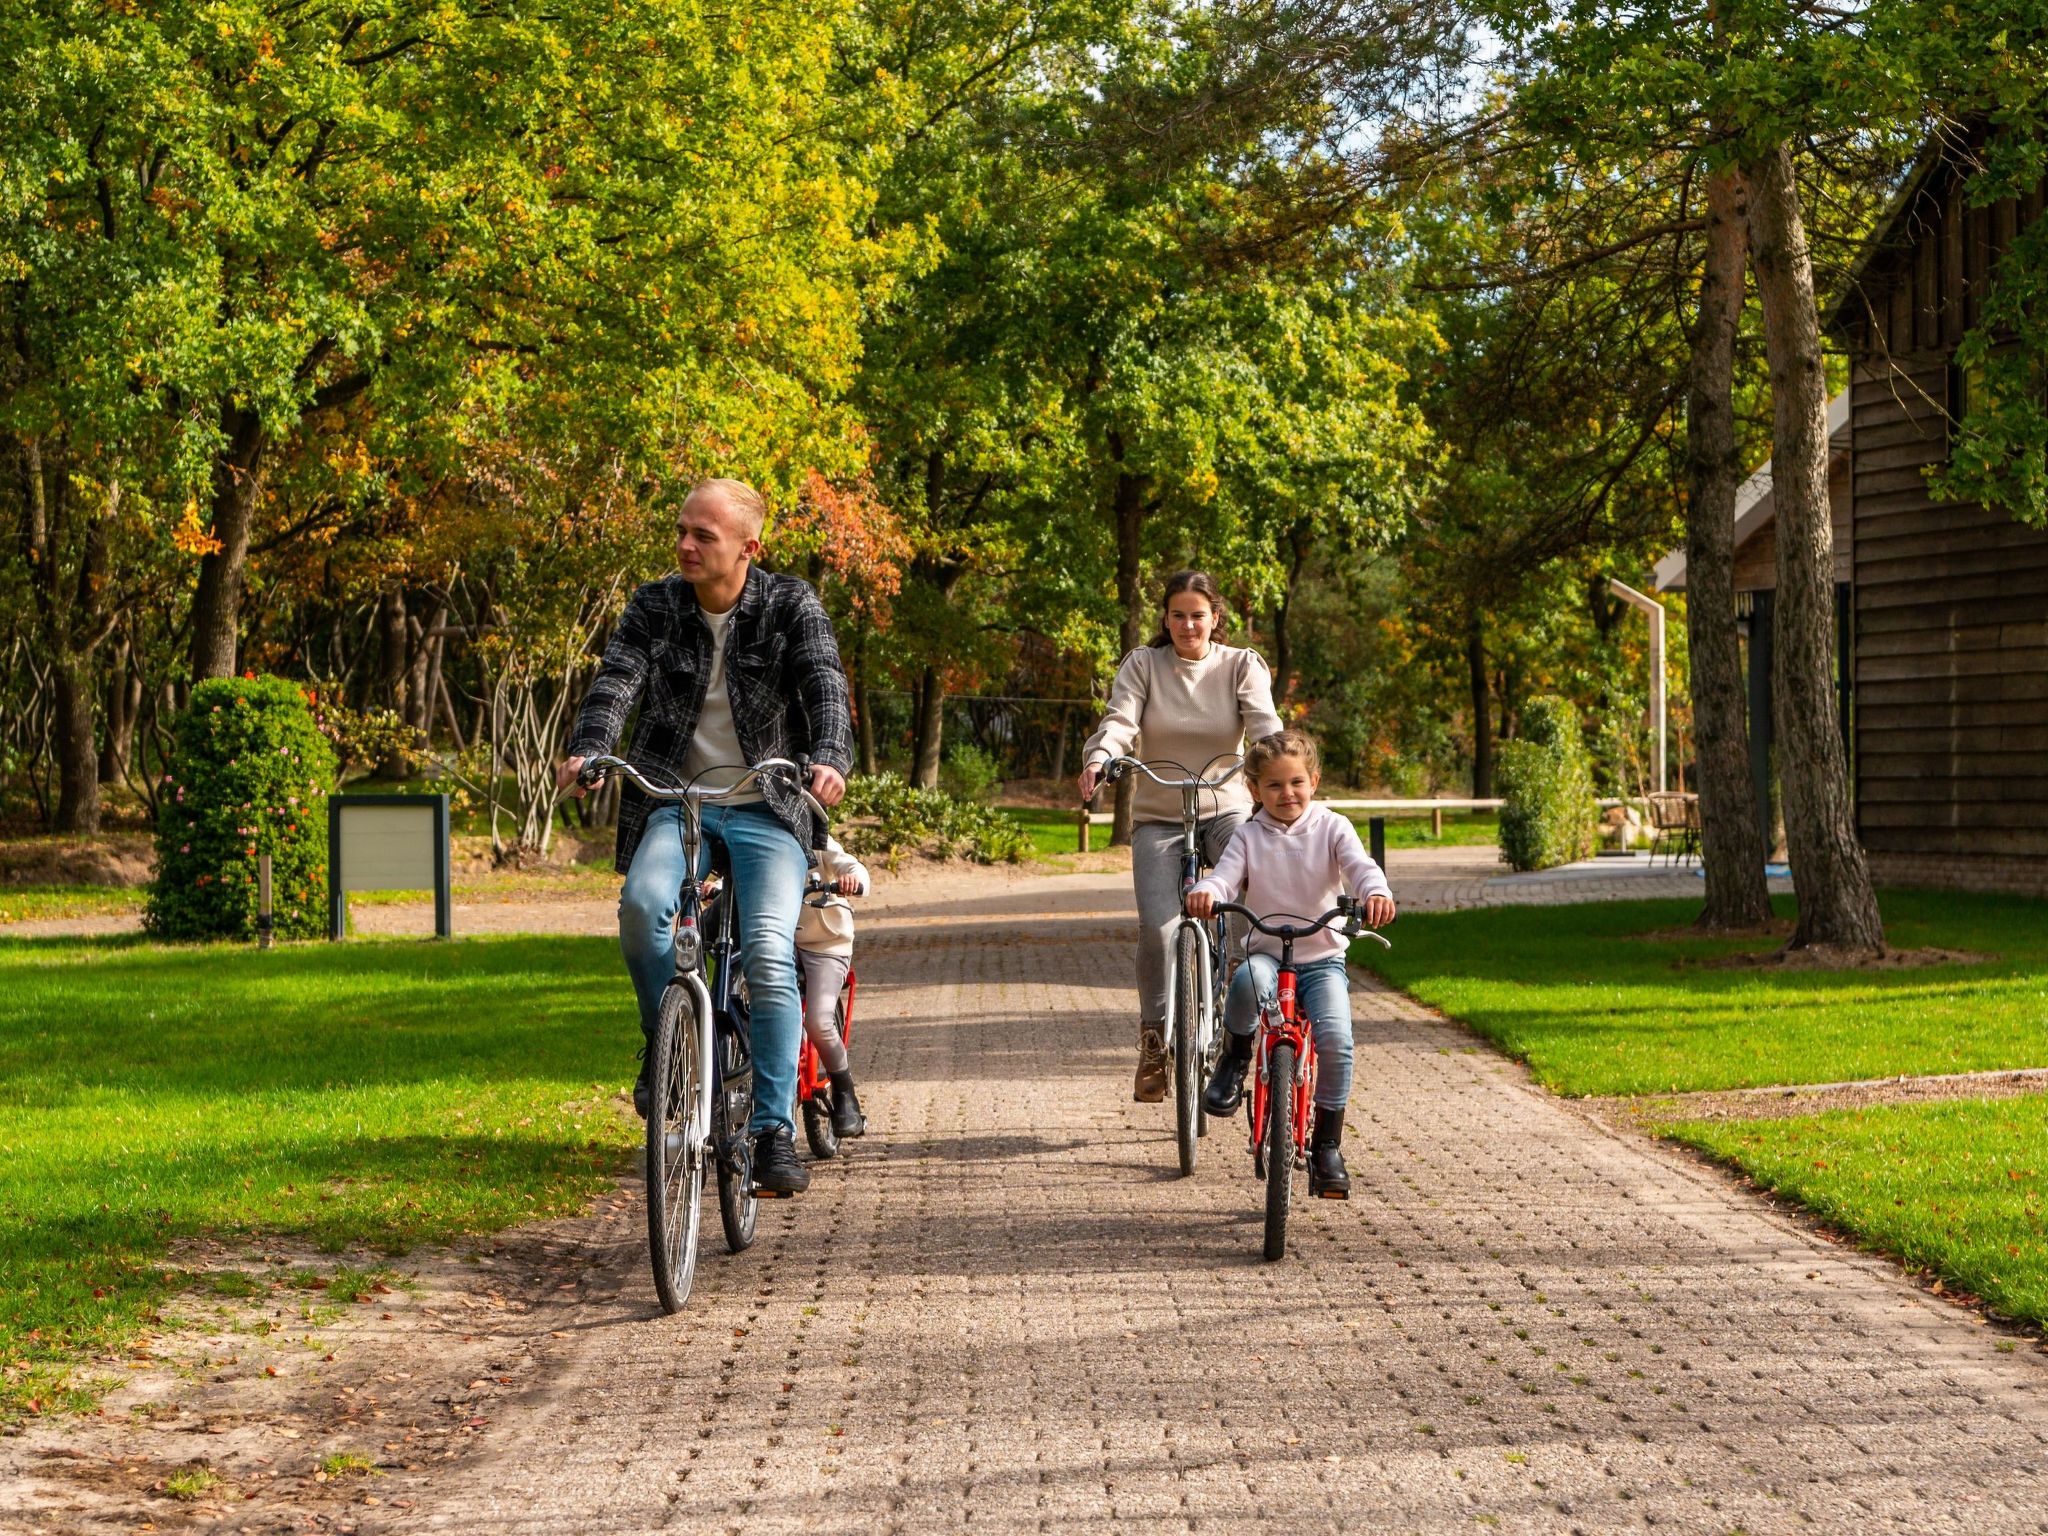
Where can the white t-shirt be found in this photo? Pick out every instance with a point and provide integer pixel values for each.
(717, 742)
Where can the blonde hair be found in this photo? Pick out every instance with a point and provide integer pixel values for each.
(748, 504)
(1261, 754)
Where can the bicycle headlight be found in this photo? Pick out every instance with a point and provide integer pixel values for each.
(689, 945)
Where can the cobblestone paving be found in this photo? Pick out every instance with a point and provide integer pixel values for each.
(1004, 1313)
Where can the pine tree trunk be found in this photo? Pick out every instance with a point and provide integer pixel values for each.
(78, 758)
(1837, 907)
(1482, 714)
(1731, 840)
(217, 604)
(931, 724)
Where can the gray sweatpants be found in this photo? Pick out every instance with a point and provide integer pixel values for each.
(1155, 873)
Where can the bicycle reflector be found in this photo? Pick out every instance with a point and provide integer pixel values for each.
(689, 944)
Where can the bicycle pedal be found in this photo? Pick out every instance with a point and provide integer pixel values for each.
(772, 1194)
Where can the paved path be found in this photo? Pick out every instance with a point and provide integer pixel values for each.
(1003, 1313)
(1426, 879)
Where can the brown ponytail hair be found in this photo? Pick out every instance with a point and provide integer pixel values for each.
(1202, 584)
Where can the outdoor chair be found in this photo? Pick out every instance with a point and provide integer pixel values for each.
(1674, 827)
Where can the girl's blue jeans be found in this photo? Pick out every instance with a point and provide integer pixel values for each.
(1322, 990)
(768, 866)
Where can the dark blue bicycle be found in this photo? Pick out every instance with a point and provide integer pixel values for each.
(701, 1066)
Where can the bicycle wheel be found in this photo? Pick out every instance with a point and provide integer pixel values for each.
(675, 1157)
(818, 1126)
(1279, 1148)
(733, 1107)
(1187, 1044)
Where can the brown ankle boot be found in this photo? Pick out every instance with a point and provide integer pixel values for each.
(1150, 1085)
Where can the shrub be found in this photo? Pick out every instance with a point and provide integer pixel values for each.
(249, 774)
(972, 774)
(1550, 815)
(883, 817)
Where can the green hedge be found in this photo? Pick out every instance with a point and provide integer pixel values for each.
(1551, 815)
(883, 817)
(250, 774)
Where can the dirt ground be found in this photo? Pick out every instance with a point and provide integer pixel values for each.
(238, 1402)
(1785, 1103)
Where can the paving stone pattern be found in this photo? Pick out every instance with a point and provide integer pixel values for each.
(1005, 1312)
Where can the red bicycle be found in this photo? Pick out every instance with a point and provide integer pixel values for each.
(1284, 1052)
(813, 1087)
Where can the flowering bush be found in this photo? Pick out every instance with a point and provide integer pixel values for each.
(250, 774)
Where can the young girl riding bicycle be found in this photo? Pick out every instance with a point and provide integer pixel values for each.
(1294, 858)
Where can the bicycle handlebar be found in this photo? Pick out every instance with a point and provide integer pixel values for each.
(1116, 767)
(594, 769)
(1346, 909)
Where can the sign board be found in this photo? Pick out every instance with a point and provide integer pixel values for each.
(387, 843)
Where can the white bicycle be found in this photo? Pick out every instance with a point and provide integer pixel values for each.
(1201, 973)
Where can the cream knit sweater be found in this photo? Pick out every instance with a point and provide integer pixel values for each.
(1188, 712)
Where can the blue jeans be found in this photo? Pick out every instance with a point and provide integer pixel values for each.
(1322, 990)
(768, 865)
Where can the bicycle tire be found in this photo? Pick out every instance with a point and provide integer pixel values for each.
(677, 1081)
(1187, 1046)
(738, 1205)
(1279, 1148)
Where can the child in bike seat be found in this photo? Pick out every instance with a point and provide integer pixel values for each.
(824, 952)
(1294, 858)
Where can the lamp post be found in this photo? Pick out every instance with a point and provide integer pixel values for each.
(1654, 612)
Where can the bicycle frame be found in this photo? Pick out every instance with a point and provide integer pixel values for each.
(707, 971)
(1212, 946)
(1292, 1027)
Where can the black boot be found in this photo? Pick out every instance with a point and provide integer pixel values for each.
(1226, 1083)
(1327, 1177)
(847, 1120)
(640, 1084)
(776, 1170)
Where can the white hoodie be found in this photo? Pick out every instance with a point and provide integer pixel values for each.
(828, 930)
(1297, 870)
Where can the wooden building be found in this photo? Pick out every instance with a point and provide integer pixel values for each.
(1950, 605)
(1943, 605)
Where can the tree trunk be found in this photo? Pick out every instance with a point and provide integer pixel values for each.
(124, 705)
(392, 651)
(863, 711)
(1128, 504)
(1482, 715)
(217, 604)
(1731, 840)
(78, 759)
(931, 723)
(1837, 907)
(1283, 646)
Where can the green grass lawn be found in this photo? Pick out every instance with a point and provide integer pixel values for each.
(31, 903)
(1597, 1008)
(1954, 1188)
(380, 1093)
(1476, 829)
(1054, 830)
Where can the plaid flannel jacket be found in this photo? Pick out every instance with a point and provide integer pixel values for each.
(782, 671)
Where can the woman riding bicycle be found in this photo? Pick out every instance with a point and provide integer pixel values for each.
(1186, 699)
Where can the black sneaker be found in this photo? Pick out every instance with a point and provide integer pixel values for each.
(1226, 1084)
(641, 1084)
(776, 1170)
(847, 1120)
(1328, 1179)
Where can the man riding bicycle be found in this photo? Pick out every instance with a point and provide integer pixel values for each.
(730, 665)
